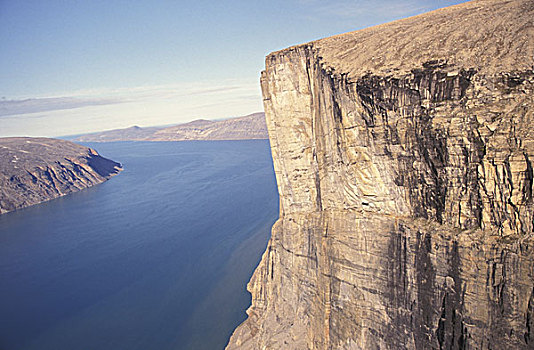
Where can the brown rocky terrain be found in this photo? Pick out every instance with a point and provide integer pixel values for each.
(403, 156)
(242, 128)
(34, 170)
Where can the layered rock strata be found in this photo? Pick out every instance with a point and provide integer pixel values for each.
(403, 155)
(34, 170)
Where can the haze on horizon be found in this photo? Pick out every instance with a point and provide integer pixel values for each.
(77, 67)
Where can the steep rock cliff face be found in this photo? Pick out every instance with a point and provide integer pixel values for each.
(34, 170)
(403, 158)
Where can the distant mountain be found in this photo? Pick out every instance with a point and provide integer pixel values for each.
(242, 128)
(134, 133)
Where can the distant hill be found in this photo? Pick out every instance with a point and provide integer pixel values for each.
(132, 133)
(242, 128)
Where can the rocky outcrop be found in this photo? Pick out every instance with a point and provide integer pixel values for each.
(403, 158)
(34, 170)
(242, 128)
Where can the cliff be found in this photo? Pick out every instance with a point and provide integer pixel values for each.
(34, 170)
(403, 156)
(242, 128)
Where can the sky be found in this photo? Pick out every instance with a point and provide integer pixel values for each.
(71, 67)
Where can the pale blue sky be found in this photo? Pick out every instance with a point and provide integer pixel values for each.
(96, 65)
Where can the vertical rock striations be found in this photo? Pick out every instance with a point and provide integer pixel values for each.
(403, 155)
(34, 170)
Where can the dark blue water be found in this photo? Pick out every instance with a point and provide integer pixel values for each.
(156, 258)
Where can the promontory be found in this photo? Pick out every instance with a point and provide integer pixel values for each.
(34, 170)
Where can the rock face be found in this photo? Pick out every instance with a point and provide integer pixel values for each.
(34, 170)
(403, 155)
(242, 128)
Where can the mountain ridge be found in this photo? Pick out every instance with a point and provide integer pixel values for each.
(251, 126)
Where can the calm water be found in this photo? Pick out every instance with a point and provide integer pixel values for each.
(156, 258)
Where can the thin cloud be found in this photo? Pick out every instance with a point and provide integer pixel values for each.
(97, 110)
(370, 8)
(36, 105)
(209, 91)
(364, 9)
(102, 97)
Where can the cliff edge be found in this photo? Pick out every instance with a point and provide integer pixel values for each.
(34, 170)
(403, 156)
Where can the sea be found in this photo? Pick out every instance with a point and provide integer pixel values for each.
(158, 257)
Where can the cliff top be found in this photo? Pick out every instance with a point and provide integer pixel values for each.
(22, 152)
(488, 35)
